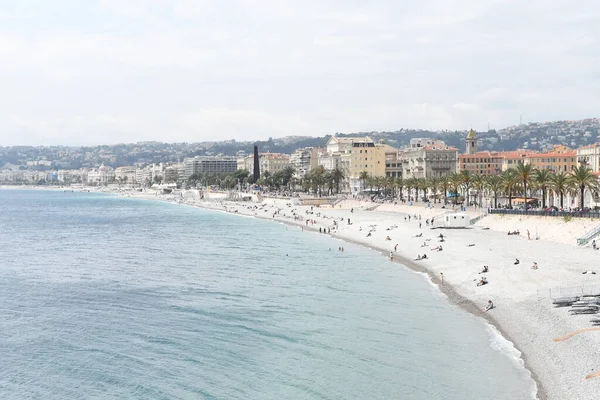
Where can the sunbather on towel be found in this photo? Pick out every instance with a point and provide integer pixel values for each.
(534, 266)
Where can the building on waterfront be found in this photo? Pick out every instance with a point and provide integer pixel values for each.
(589, 156)
(355, 155)
(209, 165)
(482, 163)
(101, 176)
(559, 159)
(370, 158)
(273, 162)
(268, 162)
(171, 173)
(306, 159)
(428, 158)
(125, 174)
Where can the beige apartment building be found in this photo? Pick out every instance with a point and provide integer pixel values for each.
(268, 162)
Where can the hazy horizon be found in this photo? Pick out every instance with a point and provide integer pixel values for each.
(108, 71)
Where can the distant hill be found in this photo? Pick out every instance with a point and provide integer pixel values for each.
(534, 136)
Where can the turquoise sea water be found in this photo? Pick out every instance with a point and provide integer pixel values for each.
(103, 297)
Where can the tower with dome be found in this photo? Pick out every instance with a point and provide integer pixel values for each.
(471, 142)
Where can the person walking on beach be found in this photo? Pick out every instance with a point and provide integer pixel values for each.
(419, 225)
(594, 245)
(528, 236)
(442, 276)
(396, 247)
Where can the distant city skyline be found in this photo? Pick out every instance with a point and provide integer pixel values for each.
(109, 71)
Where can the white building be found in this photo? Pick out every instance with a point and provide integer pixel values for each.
(304, 160)
(209, 165)
(589, 156)
(426, 158)
(458, 220)
(126, 174)
(101, 176)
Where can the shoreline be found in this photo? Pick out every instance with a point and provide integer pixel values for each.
(453, 297)
(523, 315)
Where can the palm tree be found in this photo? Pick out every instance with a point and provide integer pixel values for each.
(478, 185)
(410, 184)
(510, 180)
(422, 185)
(399, 184)
(582, 177)
(525, 173)
(495, 184)
(444, 184)
(466, 179)
(337, 176)
(455, 181)
(287, 174)
(561, 184)
(317, 179)
(364, 177)
(389, 186)
(542, 180)
(433, 185)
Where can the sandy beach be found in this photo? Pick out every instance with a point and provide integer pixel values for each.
(523, 311)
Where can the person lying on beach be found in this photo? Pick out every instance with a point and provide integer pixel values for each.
(388, 238)
(534, 266)
(471, 245)
(482, 281)
(485, 269)
(369, 234)
(489, 306)
(438, 248)
(419, 235)
(424, 244)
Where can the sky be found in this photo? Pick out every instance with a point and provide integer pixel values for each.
(86, 72)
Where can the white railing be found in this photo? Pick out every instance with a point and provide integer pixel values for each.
(588, 236)
(567, 291)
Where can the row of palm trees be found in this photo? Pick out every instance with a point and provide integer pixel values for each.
(523, 180)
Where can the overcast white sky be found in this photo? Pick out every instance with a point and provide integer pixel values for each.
(109, 71)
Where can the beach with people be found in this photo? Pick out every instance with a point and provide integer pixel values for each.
(549, 265)
(509, 280)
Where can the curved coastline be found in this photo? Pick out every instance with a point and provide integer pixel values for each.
(447, 289)
(450, 292)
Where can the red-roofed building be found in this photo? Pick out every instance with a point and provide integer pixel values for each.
(558, 159)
